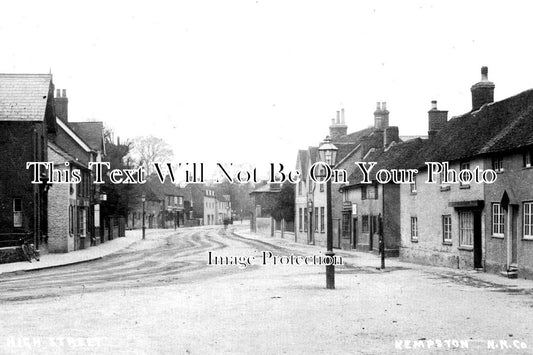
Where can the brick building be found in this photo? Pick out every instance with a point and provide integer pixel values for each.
(27, 117)
(77, 143)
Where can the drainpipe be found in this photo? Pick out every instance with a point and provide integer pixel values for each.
(508, 236)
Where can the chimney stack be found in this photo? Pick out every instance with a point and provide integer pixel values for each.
(338, 128)
(392, 134)
(381, 116)
(61, 105)
(437, 120)
(483, 91)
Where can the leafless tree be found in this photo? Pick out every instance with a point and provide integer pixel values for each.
(148, 150)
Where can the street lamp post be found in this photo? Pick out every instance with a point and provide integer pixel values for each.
(328, 153)
(143, 198)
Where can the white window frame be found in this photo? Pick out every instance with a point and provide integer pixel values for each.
(498, 220)
(414, 228)
(466, 229)
(527, 224)
(447, 229)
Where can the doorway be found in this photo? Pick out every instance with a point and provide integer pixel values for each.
(354, 233)
(514, 233)
(478, 251)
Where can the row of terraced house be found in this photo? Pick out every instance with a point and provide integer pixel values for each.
(482, 226)
(63, 217)
(168, 205)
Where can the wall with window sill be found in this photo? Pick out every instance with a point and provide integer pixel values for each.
(517, 180)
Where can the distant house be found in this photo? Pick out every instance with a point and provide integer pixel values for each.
(223, 208)
(204, 203)
(27, 118)
(210, 206)
(264, 199)
(163, 205)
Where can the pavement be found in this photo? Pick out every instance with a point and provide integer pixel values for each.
(372, 262)
(52, 260)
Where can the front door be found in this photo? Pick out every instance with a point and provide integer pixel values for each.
(310, 236)
(354, 234)
(371, 233)
(478, 251)
(514, 239)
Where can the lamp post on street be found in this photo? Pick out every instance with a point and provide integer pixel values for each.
(328, 153)
(143, 199)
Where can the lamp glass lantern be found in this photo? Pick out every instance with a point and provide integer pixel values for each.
(328, 152)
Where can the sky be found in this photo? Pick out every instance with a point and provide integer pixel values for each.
(251, 82)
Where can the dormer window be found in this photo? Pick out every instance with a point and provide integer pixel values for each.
(464, 166)
(497, 164)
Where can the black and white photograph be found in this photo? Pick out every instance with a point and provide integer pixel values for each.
(266, 177)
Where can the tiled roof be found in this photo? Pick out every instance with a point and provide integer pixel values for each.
(313, 154)
(354, 137)
(408, 138)
(344, 149)
(345, 144)
(157, 190)
(24, 96)
(61, 152)
(405, 155)
(302, 157)
(500, 126)
(91, 132)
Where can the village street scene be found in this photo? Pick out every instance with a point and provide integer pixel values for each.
(218, 199)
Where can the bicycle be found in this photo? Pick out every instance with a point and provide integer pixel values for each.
(28, 249)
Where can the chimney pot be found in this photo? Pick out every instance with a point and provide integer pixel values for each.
(378, 106)
(338, 117)
(384, 106)
(434, 104)
(58, 93)
(342, 116)
(64, 92)
(484, 73)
